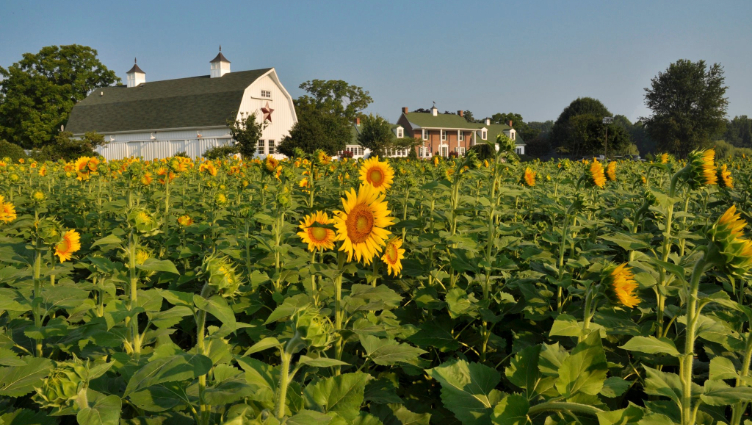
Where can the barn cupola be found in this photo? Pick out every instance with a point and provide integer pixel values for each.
(135, 76)
(219, 65)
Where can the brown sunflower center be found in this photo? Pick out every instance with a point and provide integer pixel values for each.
(64, 246)
(376, 176)
(359, 223)
(318, 234)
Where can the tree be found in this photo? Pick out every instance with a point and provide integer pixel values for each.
(316, 129)
(526, 132)
(562, 131)
(38, 92)
(739, 132)
(640, 137)
(335, 97)
(587, 136)
(688, 106)
(246, 132)
(468, 116)
(375, 134)
(67, 147)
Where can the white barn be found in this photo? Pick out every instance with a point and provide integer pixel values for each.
(161, 118)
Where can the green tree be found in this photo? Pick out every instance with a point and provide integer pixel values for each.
(587, 136)
(67, 147)
(246, 132)
(336, 97)
(376, 134)
(525, 131)
(563, 129)
(739, 131)
(38, 92)
(316, 129)
(640, 137)
(468, 116)
(688, 105)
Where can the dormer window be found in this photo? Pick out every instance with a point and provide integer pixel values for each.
(484, 134)
(400, 132)
(514, 134)
(266, 94)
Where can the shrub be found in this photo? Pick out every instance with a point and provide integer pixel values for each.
(12, 151)
(220, 152)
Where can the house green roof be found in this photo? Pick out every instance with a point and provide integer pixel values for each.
(451, 121)
(181, 103)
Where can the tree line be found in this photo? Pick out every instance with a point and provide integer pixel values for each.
(687, 102)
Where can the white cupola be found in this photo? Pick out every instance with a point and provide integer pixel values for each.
(135, 76)
(219, 65)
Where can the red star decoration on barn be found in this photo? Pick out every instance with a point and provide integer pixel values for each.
(267, 112)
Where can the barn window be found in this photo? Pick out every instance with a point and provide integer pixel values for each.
(272, 147)
(266, 93)
(260, 147)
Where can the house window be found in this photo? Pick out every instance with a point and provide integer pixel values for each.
(266, 93)
(424, 153)
(461, 151)
(461, 136)
(484, 135)
(514, 134)
(260, 147)
(444, 149)
(425, 134)
(443, 135)
(518, 151)
(271, 146)
(400, 133)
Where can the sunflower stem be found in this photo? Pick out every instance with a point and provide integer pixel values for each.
(685, 367)
(338, 312)
(204, 408)
(37, 302)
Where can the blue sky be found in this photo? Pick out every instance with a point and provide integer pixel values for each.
(530, 57)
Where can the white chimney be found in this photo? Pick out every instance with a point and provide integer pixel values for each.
(219, 65)
(488, 121)
(434, 111)
(135, 76)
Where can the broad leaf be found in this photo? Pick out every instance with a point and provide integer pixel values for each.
(18, 381)
(651, 345)
(342, 394)
(468, 390)
(103, 411)
(154, 265)
(584, 370)
(385, 352)
(523, 370)
(180, 367)
(511, 410)
(217, 307)
(719, 393)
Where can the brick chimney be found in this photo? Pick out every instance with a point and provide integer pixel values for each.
(357, 120)
(461, 113)
(510, 123)
(404, 109)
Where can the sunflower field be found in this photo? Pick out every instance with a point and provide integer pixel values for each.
(375, 292)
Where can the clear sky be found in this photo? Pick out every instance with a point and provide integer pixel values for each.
(529, 57)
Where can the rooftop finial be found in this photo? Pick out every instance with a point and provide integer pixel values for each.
(135, 60)
(220, 47)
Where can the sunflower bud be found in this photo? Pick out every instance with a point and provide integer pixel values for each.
(221, 275)
(724, 178)
(142, 220)
(60, 388)
(313, 328)
(729, 251)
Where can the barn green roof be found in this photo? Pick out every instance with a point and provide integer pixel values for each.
(181, 103)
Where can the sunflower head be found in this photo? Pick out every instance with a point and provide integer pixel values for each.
(611, 171)
(68, 245)
(270, 164)
(724, 178)
(185, 220)
(664, 158)
(702, 170)
(378, 174)
(528, 177)
(595, 175)
(221, 275)
(393, 255)
(7, 211)
(220, 199)
(322, 158)
(620, 285)
(38, 196)
(315, 234)
(730, 251)
(361, 226)
(142, 220)
(314, 328)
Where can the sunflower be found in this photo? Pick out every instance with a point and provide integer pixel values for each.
(664, 158)
(323, 158)
(146, 179)
(435, 161)
(702, 170)
(622, 288)
(485, 163)
(43, 171)
(611, 171)
(734, 253)
(185, 220)
(724, 178)
(271, 164)
(71, 243)
(208, 168)
(529, 177)
(361, 226)
(378, 174)
(317, 237)
(596, 176)
(393, 255)
(304, 183)
(7, 211)
(141, 256)
(81, 167)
